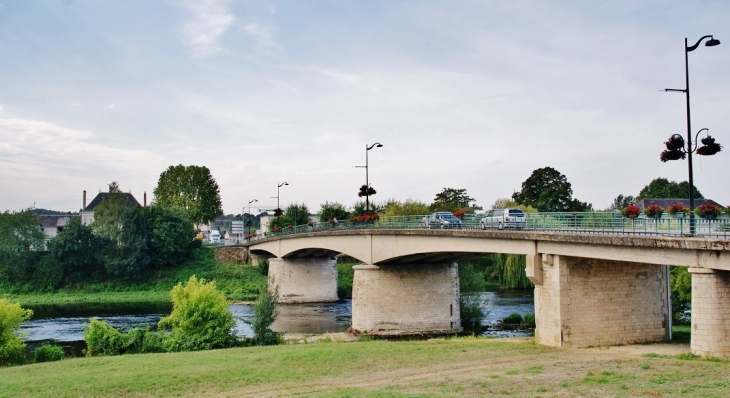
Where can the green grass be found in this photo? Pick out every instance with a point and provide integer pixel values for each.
(453, 367)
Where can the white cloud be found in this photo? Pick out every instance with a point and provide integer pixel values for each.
(264, 36)
(210, 20)
(110, 106)
(2, 107)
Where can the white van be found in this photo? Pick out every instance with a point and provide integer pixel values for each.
(214, 236)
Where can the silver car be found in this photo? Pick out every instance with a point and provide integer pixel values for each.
(443, 219)
(503, 218)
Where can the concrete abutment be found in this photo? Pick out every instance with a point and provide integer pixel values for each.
(585, 302)
(392, 300)
(710, 313)
(304, 280)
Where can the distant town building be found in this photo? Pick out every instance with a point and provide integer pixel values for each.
(51, 225)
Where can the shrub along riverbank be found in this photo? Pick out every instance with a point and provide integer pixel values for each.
(238, 282)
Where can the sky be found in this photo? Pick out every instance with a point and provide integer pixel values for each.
(471, 95)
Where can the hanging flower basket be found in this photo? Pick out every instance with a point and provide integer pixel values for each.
(630, 211)
(708, 211)
(366, 191)
(654, 211)
(459, 214)
(678, 209)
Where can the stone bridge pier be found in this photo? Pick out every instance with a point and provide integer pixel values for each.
(304, 280)
(710, 312)
(581, 302)
(392, 300)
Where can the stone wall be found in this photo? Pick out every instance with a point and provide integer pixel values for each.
(588, 302)
(710, 313)
(231, 254)
(406, 299)
(304, 280)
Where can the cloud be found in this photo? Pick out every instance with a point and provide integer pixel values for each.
(110, 106)
(2, 107)
(210, 20)
(264, 36)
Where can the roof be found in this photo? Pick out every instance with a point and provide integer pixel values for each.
(47, 221)
(643, 203)
(128, 197)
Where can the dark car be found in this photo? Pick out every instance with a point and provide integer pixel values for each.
(443, 219)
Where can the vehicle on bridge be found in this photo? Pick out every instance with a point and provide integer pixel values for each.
(443, 220)
(504, 218)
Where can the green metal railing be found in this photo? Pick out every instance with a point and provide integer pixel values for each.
(610, 223)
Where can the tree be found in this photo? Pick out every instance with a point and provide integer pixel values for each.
(332, 210)
(504, 203)
(298, 214)
(408, 208)
(12, 348)
(662, 188)
(450, 199)
(548, 190)
(126, 229)
(621, 202)
(191, 189)
(114, 187)
(20, 235)
(170, 235)
(78, 250)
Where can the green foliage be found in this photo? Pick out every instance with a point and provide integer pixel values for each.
(170, 236)
(450, 199)
(530, 320)
(548, 190)
(128, 254)
(504, 203)
(48, 353)
(191, 189)
(282, 221)
(102, 339)
(471, 279)
(345, 277)
(47, 272)
(20, 234)
(471, 312)
(200, 317)
(12, 348)
(408, 208)
(681, 292)
(264, 315)
(506, 270)
(358, 209)
(298, 214)
(79, 251)
(662, 188)
(513, 319)
(621, 202)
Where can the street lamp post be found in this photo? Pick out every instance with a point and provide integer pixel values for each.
(249, 215)
(687, 49)
(277, 196)
(367, 182)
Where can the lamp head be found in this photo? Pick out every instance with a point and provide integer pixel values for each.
(379, 145)
(712, 42)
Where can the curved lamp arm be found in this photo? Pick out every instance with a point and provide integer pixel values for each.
(711, 42)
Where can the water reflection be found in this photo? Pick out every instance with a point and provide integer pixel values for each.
(66, 323)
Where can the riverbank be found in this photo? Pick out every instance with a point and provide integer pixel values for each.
(435, 368)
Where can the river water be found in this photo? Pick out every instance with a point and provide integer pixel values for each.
(66, 323)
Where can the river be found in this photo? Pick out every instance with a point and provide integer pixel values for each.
(66, 323)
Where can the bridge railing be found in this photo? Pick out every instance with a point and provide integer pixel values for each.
(566, 222)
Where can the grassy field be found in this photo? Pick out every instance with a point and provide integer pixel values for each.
(454, 367)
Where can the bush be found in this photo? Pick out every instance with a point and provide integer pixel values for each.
(513, 319)
(345, 276)
(48, 353)
(472, 314)
(530, 320)
(265, 314)
(200, 318)
(102, 339)
(12, 348)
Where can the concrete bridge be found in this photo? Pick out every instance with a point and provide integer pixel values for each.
(590, 290)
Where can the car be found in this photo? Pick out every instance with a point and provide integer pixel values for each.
(443, 219)
(504, 218)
